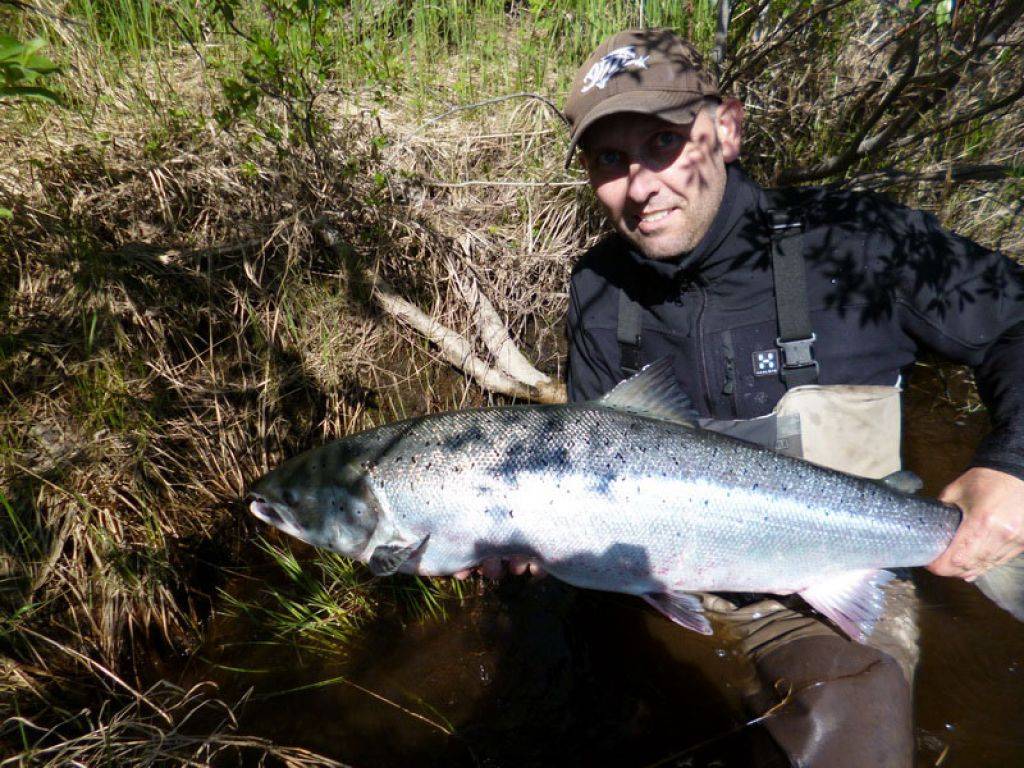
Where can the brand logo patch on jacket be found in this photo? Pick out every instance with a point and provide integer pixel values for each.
(766, 362)
(610, 65)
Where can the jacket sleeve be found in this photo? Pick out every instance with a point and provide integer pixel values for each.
(593, 367)
(967, 303)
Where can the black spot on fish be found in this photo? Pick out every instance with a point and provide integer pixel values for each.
(498, 512)
(602, 482)
(462, 439)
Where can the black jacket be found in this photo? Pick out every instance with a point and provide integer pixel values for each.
(883, 283)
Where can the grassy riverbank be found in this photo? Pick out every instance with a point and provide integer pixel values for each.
(184, 290)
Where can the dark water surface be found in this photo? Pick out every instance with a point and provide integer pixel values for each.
(536, 673)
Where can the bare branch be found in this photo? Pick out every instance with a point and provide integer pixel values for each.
(456, 349)
(858, 147)
(990, 107)
(495, 335)
(952, 172)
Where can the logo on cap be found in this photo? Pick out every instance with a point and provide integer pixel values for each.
(610, 65)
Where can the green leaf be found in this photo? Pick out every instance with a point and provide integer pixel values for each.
(29, 92)
(40, 64)
(6, 213)
(9, 48)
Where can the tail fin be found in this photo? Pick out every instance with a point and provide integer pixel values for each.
(1004, 586)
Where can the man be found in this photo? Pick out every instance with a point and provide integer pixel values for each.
(790, 317)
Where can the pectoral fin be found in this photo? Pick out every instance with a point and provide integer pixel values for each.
(853, 601)
(682, 608)
(1004, 585)
(388, 558)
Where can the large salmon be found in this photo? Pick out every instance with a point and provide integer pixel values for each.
(621, 494)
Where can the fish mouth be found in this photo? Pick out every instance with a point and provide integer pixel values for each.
(267, 512)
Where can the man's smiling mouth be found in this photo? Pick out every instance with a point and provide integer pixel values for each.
(650, 218)
(648, 221)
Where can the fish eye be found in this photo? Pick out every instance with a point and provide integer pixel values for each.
(291, 496)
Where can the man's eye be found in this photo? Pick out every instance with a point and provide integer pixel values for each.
(663, 140)
(608, 157)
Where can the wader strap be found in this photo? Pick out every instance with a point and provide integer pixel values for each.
(796, 339)
(628, 334)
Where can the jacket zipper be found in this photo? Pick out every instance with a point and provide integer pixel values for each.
(700, 348)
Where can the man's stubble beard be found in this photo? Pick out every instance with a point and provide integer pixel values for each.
(697, 218)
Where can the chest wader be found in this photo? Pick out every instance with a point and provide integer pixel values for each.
(849, 704)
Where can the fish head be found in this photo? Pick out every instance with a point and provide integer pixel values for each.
(323, 497)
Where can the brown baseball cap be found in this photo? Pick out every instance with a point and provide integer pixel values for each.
(650, 71)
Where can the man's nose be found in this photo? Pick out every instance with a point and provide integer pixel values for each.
(643, 183)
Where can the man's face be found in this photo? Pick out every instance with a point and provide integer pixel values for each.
(660, 183)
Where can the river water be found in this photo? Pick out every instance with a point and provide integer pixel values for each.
(532, 672)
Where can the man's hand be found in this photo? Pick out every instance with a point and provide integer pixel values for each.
(992, 530)
(493, 567)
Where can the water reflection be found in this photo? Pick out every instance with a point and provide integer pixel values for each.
(969, 697)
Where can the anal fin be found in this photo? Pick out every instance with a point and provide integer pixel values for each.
(853, 601)
(682, 608)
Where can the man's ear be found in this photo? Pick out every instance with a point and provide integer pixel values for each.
(729, 126)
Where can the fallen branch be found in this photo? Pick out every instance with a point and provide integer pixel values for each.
(456, 349)
(495, 335)
(514, 375)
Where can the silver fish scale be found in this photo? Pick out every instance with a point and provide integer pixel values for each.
(610, 500)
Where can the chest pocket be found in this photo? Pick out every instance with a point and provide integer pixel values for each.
(749, 368)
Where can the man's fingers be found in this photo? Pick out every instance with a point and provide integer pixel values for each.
(971, 553)
(494, 568)
(491, 568)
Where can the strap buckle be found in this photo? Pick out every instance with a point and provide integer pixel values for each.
(630, 354)
(797, 354)
(781, 221)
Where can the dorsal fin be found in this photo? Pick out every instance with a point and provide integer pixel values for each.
(654, 393)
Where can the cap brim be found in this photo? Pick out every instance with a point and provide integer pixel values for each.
(663, 104)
